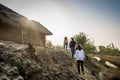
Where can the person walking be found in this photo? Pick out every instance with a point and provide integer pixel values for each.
(65, 43)
(80, 56)
(72, 46)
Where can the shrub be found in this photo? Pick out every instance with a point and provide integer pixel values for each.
(18, 64)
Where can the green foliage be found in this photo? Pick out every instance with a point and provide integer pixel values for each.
(81, 38)
(102, 49)
(108, 50)
(89, 48)
(18, 64)
(49, 44)
(85, 42)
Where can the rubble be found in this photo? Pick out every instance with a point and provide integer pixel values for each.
(27, 62)
(19, 62)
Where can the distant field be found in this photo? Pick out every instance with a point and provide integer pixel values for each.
(112, 58)
(111, 73)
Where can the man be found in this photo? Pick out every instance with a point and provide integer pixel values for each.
(72, 46)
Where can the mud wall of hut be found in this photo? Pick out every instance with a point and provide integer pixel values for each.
(22, 35)
(10, 33)
(41, 39)
(34, 37)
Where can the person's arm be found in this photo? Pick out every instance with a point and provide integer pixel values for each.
(70, 44)
(83, 54)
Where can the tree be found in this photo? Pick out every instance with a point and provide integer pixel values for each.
(81, 38)
(85, 42)
(89, 48)
(101, 49)
(49, 44)
(109, 49)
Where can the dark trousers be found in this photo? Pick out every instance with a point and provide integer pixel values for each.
(73, 51)
(80, 63)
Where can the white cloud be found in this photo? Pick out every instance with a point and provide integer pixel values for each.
(66, 18)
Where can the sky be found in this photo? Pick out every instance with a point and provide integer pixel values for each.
(98, 19)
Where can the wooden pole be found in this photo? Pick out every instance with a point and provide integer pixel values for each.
(22, 36)
(36, 40)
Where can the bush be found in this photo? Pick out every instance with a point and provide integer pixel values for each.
(18, 64)
(88, 45)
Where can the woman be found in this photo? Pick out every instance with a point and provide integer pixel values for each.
(65, 43)
(80, 58)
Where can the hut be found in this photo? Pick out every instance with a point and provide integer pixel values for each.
(17, 28)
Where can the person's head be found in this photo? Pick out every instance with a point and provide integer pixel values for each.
(65, 38)
(72, 39)
(79, 47)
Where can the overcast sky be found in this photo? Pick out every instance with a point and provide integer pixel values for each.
(99, 19)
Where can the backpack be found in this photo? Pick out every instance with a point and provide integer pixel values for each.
(72, 44)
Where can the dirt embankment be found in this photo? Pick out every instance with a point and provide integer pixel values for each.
(25, 62)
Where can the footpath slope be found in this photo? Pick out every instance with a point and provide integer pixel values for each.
(25, 62)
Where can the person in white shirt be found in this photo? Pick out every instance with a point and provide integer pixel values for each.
(80, 58)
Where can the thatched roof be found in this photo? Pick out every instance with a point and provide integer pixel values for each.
(9, 17)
